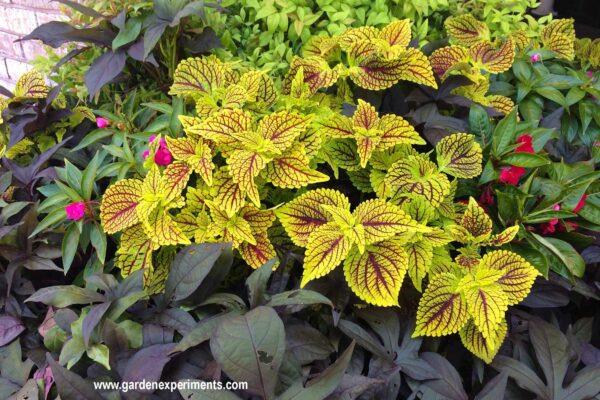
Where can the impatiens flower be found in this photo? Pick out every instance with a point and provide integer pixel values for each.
(145, 154)
(536, 57)
(581, 203)
(487, 196)
(525, 144)
(547, 228)
(75, 211)
(163, 157)
(590, 74)
(511, 175)
(102, 122)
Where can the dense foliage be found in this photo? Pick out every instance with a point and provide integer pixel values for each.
(357, 199)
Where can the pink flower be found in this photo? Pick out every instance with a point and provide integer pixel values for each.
(511, 175)
(590, 74)
(151, 138)
(525, 145)
(75, 211)
(487, 196)
(163, 157)
(102, 122)
(48, 377)
(581, 203)
(145, 154)
(536, 57)
(547, 228)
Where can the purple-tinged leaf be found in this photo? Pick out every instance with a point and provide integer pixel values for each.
(450, 383)
(494, 389)
(104, 69)
(69, 384)
(10, 328)
(92, 319)
(147, 364)
(66, 295)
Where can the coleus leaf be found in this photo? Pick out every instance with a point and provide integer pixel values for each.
(226, 193)
(516, 274)
(135, 251)
(320, 46)
(446, 58)
(376, 275)
(244, 166)
(382, 220)
(486, 301)
(119, 202)
(194, 76)
(482, 347)
(316, 71)
(292, 170)
(355, 35)
(466, 29)
(31, 85)
(417, 176)
(559, 36)
(162, 229)
(397, 36)
(459, 155)
(233, 228)
(220, 127)
(420, 257)
(442, 310)
(259, 88)
(476, 221)
(303, 215)
(282, 128)
(504, 237)
(493, 60)
(257, 254)
(326, 248)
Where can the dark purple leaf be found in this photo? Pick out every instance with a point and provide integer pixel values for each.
(148, 363)
(27, 175)
(52, 33)
(10, 328)
(204, 42)
(591, 255)
(450, 383)
(177, 319)
(136, 51)
(152, 35)
(5, 92)
(104, 69)
(494, 389)
(552, 120)
(65, 295)
(69, 384)
(92, 319)
(81, 8)
(590, 355)
(156, 334)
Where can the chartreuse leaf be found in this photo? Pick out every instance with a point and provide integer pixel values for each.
(504, 237)
(382, 220)
(486, 300)
(420, 256)
(493, 60)
(416, 176)
(466, 30)
(376, 275)
(443, 60)
(195, 153)
(482, 347)
(292, 170)
(442, 310)
(118, 208)
(459, 155)
(326, 248)
(476, 221)
(559, 36)
(195, 76)
(301, 216)
(31, 85)
(517, 275)
(370, 132)
(317, 74)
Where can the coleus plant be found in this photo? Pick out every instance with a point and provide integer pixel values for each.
(246, 141)
(474, 56)
(372, 58)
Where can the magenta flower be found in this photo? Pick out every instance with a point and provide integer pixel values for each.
(102, 122)
(590, 74)
(145, 154)
(536, 57)
(75, 211)
(163, 157)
